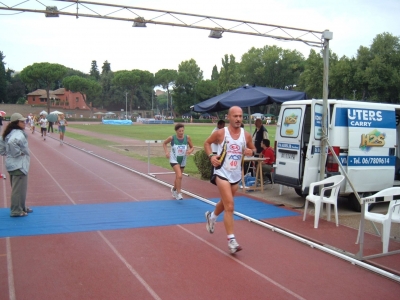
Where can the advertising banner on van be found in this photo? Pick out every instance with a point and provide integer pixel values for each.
(372, 133)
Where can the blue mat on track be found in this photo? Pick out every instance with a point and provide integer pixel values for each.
(111, 216)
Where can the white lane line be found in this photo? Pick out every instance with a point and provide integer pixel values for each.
(130, 268)
(96, 175)
(11, 287)
(4, 194)
(245, 265)
(56, 182)
(10, 274)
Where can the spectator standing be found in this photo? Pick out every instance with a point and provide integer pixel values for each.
(259, 134)
(178, 155)
(233, 142)
(14, 145)
(50, 127)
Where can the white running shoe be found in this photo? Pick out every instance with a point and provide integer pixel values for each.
(210, 223)
(234, 246)
(179, 197)
(174, 193)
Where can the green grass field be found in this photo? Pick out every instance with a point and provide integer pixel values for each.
(197, 132)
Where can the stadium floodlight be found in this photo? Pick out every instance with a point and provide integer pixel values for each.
(139, 22)
(216, 33)
(51, 12)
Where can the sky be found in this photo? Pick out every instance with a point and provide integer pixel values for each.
(28, 38)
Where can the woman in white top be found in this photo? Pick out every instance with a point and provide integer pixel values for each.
(61, 127)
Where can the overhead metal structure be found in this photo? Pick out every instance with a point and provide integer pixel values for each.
(216, 25)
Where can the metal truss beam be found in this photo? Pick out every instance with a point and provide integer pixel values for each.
(218, 25)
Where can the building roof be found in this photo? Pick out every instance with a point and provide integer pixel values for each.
(43, 94)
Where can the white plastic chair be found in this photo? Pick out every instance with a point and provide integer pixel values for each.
(392, 215)
(319, 200)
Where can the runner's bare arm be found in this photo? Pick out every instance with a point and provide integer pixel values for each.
(250, 148)
(166, 142)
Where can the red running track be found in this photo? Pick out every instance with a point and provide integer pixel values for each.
(171, 262)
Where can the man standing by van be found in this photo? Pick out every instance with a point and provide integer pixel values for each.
(233, 142)
(260, 134)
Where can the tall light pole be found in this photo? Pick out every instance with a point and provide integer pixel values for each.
(126, 105)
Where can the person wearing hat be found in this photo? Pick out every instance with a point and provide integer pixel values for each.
(14, 145)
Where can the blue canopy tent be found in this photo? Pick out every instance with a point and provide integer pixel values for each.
(247, 96)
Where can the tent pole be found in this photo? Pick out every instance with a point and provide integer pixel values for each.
(249, 117)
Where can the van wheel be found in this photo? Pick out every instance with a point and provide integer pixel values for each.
(355, 205)
(299, 192)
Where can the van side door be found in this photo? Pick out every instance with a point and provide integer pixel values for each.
(288, 145)
(313, 153)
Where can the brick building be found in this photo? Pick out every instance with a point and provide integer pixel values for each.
(59, 98)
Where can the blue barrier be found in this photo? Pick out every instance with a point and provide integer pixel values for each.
(117, 122)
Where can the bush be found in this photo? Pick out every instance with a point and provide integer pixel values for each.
(203, 164)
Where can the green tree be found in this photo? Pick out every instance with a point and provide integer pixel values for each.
(3, 81)
(272, 66)
(383, 71)
(88, 88)
(94, 70)
(43, 75)
(16, 89)
(166, 78)
(130, 81)
(105, 68)
(342, 82)
(107, 88)
(206, 89)
(229, 75)
(311, 79)
(184, 93)
(214, 73)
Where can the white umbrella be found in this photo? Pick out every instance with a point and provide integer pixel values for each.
(110, 113)
(43, 112)
(99, 113)
(57, 112)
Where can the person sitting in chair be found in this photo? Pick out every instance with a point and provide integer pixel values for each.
(269, 154)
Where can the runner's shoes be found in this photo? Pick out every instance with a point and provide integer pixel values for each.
(174, 193)
(210, 223)
(179, 196)
(233, 246)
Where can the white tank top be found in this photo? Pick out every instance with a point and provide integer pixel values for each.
(231, 168)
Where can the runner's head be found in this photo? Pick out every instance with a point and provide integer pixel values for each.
(235, 116)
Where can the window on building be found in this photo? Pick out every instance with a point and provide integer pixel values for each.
(34, 99)
(77, 99)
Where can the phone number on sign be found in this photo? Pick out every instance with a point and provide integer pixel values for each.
(370, 161)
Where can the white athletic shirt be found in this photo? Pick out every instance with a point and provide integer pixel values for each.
(231, 168)
(43, 123)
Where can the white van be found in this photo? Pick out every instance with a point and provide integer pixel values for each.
(365, 136)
